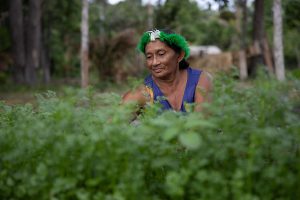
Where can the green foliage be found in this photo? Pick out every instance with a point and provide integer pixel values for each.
(4, 39)
(61, 32)
(196, 25)
(292, 11)
(126, 14)
(180, 16)
(291, 27)
(245, 145)
(218, 33)
(113, 38)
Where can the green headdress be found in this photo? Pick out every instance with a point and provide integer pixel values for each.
(170, 39)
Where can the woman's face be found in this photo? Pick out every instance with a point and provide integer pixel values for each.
(161, 60)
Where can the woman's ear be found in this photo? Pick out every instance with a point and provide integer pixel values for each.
(181, 56)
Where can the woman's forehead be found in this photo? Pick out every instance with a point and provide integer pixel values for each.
(156, 45)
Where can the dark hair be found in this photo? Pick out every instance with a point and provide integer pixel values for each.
(183, 64)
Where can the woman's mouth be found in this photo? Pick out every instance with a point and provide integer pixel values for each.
(157, 69)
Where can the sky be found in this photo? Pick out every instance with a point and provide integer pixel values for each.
(201, 3)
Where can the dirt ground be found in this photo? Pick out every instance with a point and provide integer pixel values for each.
(17, 98)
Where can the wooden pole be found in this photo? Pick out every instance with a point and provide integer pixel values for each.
(241, 26)
(278, 46)
(84, 54)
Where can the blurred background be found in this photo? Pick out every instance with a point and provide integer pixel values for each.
(43, 42)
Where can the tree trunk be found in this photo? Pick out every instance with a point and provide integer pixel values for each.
(298, 56)
(258, 32)
(243, 64)
(84, 54)
(17, 35)
(150, 16)
(45, 63)
(33, 38)
(44, 57)
(278, 49)
(244, 23)
(258, 21)
(241, 13)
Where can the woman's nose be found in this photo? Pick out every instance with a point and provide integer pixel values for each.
(156, 61)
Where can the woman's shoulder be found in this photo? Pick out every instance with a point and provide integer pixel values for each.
(205, 79)
(205, 82)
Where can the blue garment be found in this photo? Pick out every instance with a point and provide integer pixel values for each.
(189, 92)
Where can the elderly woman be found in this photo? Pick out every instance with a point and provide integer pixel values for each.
(172, 82)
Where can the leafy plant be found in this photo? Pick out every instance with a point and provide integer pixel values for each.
(83, 146)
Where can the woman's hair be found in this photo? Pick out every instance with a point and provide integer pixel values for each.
(183, 64)
(171, 39)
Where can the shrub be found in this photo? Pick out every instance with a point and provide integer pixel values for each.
(82, 146)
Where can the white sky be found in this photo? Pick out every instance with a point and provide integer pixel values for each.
(202, 3)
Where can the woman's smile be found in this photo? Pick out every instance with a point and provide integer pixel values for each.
(157, 69)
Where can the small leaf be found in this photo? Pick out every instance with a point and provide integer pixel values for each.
(190, 140)
(199, 123)
(170, 133)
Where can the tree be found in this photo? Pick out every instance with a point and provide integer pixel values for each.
(33, 39)
(258, 21)
(278, 47)
(61, 36)
(84, 54)
(149, 16)
(180, 15)
(258, 31)
(17, 36)
(241, 12)
(131, 14)
(291, 25)
(44, 58)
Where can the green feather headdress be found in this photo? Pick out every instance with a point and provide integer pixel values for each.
(171, 39)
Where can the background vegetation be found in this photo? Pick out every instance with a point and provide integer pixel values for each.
(112, 52)
(58, 141)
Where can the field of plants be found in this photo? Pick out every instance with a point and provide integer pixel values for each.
(83, 145)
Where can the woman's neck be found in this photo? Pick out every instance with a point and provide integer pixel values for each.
(170, 84)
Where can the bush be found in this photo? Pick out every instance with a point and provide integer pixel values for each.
(82, 146)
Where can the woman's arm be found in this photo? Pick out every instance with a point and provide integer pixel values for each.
(203, 90)
(140, 96)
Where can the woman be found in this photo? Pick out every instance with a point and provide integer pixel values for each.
(171, 82)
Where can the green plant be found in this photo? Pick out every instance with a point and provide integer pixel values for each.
(82, 146)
